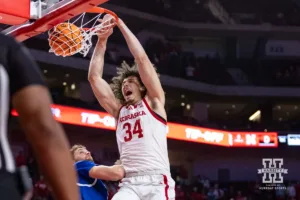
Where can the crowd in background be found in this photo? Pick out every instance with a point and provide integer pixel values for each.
(271, 72)
(170, 59)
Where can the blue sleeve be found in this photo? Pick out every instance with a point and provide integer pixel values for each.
(83, 167)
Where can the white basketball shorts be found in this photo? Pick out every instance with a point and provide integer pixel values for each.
(154, 185)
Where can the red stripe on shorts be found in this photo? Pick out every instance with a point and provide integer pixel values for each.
(167, 186)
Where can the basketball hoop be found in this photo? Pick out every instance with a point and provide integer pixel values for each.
(67, 39)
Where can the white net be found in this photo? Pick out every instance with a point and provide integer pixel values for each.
(67, 39)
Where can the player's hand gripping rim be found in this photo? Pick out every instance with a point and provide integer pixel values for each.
(108, 23)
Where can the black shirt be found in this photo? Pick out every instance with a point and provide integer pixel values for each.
(17, 71)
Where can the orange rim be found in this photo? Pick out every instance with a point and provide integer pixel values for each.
(100, 10)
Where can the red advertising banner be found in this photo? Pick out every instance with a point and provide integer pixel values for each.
(95, 119)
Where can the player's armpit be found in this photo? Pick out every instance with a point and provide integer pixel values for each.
(47, 140)
(105, 95)
(113, 173)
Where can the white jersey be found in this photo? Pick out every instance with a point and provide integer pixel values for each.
(142, 139)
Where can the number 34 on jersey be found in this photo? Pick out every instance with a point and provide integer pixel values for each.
(132, 130)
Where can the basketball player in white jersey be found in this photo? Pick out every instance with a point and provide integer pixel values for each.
(136, 100)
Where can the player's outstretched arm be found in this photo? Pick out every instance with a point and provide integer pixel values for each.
(145, 67)
(113, 173)
(101, 88)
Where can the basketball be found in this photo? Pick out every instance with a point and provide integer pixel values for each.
(65, 39)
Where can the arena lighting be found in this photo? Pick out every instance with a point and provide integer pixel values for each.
(73, 86)
(254, 116)
(102, 120)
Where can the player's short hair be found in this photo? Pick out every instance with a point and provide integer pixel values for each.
(75, 147)
(124, 72)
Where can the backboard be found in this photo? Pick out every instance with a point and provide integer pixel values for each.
(45, 14)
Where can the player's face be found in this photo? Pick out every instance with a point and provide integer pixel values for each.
(132, 90)
(82, 154)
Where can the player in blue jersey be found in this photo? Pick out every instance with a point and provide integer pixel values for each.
(91, 174)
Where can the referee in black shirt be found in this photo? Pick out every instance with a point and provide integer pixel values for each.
(22, 86)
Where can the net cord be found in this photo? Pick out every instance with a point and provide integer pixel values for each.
(86, 33)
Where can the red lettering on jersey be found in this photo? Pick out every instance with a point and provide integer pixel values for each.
(132, 116)
(137, 129)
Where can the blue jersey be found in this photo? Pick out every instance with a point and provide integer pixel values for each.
(90, 188)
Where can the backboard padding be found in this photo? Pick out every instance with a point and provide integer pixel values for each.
(52, 16)
(13, 13)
